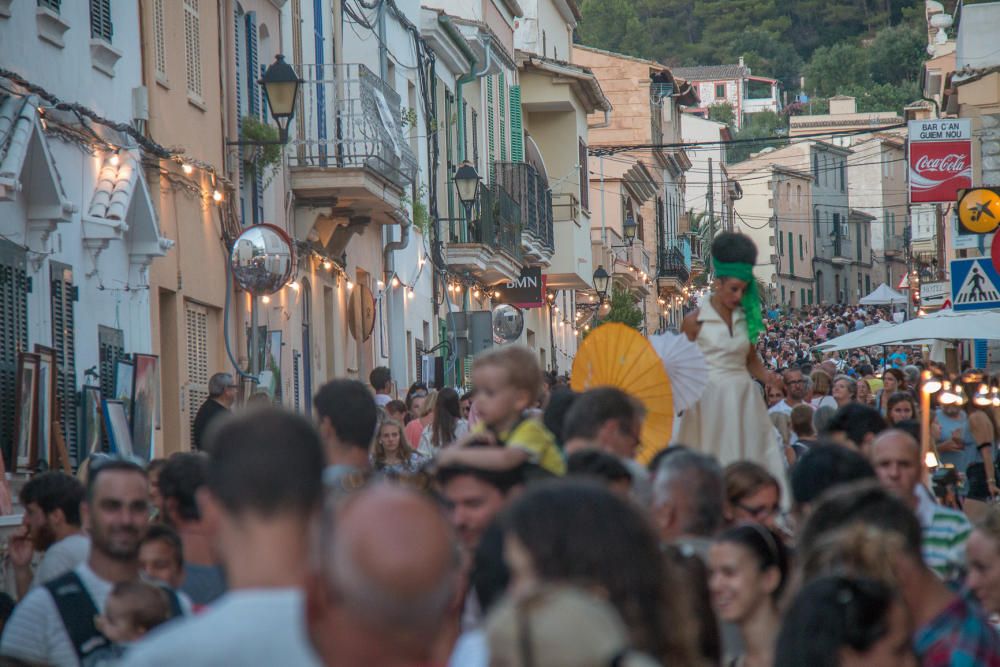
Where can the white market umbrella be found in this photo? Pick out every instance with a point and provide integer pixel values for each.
(855, 339)
(685, 365)
(942, 325)
(883, 295)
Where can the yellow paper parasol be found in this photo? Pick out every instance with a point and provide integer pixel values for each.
(616, 355)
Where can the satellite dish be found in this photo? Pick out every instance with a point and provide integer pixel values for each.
(508, 323)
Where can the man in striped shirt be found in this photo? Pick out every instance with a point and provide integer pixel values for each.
(896, 458)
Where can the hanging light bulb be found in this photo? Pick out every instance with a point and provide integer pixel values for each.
(350, 285)
(395, 281)
(294, 285)
(265, 299)
(995, 397)
(496, 294)
(187, 169)
(216, 196)
(115, 160)
(948, 396)
(931, 384)
(327, 264)
(409, 293)
(982, 397)
(586, 327)
(475, 292)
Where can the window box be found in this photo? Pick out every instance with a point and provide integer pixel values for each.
(51, 26)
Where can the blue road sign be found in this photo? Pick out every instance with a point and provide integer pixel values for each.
(975, 284)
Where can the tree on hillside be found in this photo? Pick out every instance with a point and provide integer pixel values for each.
(762, 125)
(897, 54)
(833, 68)
(613, 25)
(767, 54)
(722, 113)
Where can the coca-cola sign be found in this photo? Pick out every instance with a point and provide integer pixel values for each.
(940, 159)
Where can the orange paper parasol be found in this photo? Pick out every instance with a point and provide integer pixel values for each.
(616, 355)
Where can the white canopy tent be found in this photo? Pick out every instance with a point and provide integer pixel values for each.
(942, 325)
(882, 296)
(854, 339)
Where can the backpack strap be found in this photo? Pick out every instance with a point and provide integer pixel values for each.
(176, 611)
(77, 610)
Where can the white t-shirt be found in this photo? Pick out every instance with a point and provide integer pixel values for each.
(382, 400)
(61, 557)
(243, 627)
(781, 407)
(35, 632)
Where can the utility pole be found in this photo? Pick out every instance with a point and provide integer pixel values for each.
(711, 205)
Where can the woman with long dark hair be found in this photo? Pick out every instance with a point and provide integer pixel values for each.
(550, 535)
(446, 424)
(837, 621)
(748, 567)
(893, 380)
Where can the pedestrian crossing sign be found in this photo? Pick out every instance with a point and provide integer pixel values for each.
(975, 284)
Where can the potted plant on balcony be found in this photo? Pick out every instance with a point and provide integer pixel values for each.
(260, 160)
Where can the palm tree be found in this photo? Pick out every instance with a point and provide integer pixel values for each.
(705, 232)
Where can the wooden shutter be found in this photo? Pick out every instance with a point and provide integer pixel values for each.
(255, 108)
(502, 105)
(111, 348)
(418, 354)
(474, 130)
(490, 126)
(516, 126)
(63, 297)
(14, 286)
(585, 177)
(159, 46)
(192, 47)
(239, 49)
(54, 5)
(100, 20)
(196, 325)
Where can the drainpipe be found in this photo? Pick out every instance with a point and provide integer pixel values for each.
(604, 123)
(469, 78)
(388, 261)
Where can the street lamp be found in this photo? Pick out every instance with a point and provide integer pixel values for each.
(601, 281)
(467, 184)
(281, 87)
(629, 228)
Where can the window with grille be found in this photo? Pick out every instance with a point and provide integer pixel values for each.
(159, 45)
(196, 324)
(54, 5)
(100, 20)
(13, 335)
(192, 47)
(63, 297)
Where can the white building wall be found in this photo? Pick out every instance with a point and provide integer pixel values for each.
(695, 129)
(112, 291)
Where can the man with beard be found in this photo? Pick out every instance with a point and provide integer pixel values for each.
(54, 624)
(51, 525)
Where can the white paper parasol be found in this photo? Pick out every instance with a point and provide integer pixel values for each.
(685, 365)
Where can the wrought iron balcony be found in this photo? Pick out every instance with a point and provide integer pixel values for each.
(489, 246)
(348, 117)
(673, 259)
(534, 197)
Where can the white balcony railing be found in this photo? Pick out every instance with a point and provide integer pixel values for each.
(349, 117)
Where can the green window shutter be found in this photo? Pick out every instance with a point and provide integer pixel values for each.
(502, 99)
(801, 256)
(802, 296)
(516, 129)
(490, 125)
(791, 254)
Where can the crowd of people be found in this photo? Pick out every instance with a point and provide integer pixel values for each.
(513, 526)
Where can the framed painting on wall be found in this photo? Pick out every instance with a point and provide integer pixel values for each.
(145, 399)
(90, 424)
(46, 405)
(124, 384)
(25, 416)
(116, 423)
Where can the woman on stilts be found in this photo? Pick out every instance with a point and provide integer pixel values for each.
(730, 420)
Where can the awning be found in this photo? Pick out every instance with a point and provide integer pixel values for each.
(883, 295)
(26, 165)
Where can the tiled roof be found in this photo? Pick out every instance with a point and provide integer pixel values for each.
(16, 119)
(711, 72)
(115, 186)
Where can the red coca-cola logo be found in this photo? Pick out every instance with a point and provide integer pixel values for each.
(952, 163)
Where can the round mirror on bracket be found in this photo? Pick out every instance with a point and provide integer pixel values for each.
(263, 259)
(508, 323)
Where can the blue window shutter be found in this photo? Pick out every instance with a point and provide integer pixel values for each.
(252, 69)
(238, 48)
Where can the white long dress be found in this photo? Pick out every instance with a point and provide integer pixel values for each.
(730, 420)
